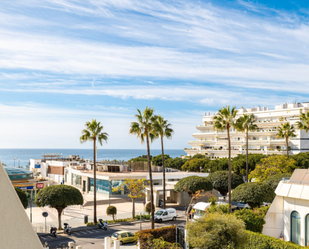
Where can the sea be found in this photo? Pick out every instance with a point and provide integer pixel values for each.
(21, 157)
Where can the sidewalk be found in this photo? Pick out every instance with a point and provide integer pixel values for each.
(74, 215)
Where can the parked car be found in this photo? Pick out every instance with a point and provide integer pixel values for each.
(165, 214)
(124, 237)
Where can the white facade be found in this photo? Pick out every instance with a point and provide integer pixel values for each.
(288, 216)
(263, 141)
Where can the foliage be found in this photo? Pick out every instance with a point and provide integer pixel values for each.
(273, 165)
(217, 164)
(253, 193)
(198, 156)
(157, 160)
(148, 207)
(147, 236)
(218, 208)
(175, 163)
(59, 197)
(192, 184)
(136, 189)
(274, 180)
(195, 165)
(162, 244)
(216, 231)
(22, 197)
(254, 219)
(286, 131)
(142, 158)
(302, 160)
(111, 210)
(239, 163)
(220, 181)
(261, 241)
(144, 217)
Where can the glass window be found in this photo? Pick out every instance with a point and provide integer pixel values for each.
(102, 186)
(124, 235)
(76, 180)
(295, 227)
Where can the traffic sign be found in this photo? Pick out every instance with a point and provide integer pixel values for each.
(45, 214)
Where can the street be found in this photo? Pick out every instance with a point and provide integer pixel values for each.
(94, 238)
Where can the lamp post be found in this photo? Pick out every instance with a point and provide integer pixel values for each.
(18, 163)
(14, 161)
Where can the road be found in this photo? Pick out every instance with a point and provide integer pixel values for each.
(94, 238)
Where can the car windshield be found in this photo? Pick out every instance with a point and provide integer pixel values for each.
(115, 235)
(159, 213)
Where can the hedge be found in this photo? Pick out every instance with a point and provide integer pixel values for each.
(261, 241)
(145, 237)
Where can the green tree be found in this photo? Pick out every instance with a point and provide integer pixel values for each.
(303, 124)
(217, 231)
(23, 197)
(157, 160)
(224, 120)
(302, 160)
(195, 165)
(148, 207)
(253, 193)
(93, 132)
(273, 165)
(111, 210)
(143, 128)
(217, 165)
(163, 129)
(136, 189)
(59, 197)
(274, 180)
(175, 163)
(245, 124)
(286, 131)
(239, 163)
(219, 181)
(254, 219)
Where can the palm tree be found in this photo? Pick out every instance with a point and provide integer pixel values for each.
(162, 129)
(245, 124)
(303, 124)
(93, 132)
(224, 120)
(286, 131)
(143, 128)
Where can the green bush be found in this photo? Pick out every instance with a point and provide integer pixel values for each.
(217, 231)
(195, 164)
(254, 219)
(111, 210)
(22, 196)
(148, 207)
(157, 160)
(261, 241)
(253, 193)
(144, 217)
(191, 184)
(147, 237)
(239, 163)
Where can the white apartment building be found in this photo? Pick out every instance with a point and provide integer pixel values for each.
(263, 141)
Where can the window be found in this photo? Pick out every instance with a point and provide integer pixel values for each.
(295, 227)
(124, 235)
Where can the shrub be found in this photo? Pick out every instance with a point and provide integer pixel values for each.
(147, 237)
(144, 217)
(157, 160)
(195, 164)
(148, 207)
(274, 180)
(253, 193)
(261, 241)
(216, 231)
(239, 163)
(254, 219)
(111, 210)
(220, 180)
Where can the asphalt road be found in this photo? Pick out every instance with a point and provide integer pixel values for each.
(94, 238)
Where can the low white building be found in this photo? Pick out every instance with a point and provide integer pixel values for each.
(288, 215)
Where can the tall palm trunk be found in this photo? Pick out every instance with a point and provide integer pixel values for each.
(287, 146)
(247, 145)
(163, 168)
(230, 171)
(150, 179)
(94, 182)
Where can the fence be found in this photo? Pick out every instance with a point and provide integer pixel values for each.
(180, 236)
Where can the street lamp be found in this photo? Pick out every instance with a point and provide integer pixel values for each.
(18, 163)
(14, 161)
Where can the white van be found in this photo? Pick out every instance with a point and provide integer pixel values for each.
(165, 214)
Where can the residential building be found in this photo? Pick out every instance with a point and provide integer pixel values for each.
(214, 143)
(288, 215)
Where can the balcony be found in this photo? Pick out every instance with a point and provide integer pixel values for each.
(201, 142)
(277, 142)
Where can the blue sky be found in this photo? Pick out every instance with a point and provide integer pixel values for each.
(64, 62)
